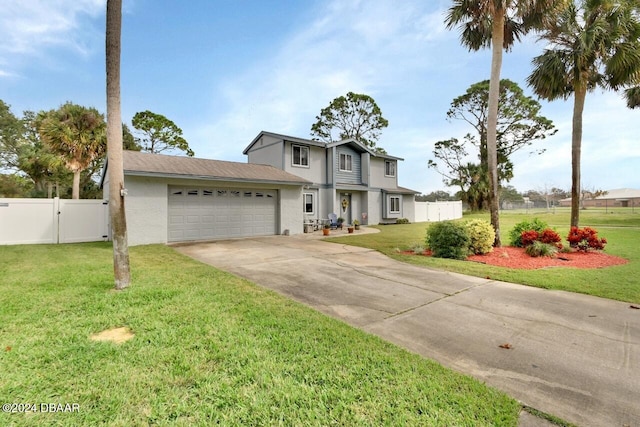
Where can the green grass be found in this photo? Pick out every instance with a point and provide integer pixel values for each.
(621, 228)
(209, 348)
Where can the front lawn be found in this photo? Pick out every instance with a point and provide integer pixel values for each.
(621, 229)
(208, 348)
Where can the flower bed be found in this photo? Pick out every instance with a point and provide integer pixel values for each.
(517, 258)
(511, 257)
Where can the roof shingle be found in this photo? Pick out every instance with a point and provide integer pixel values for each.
(139, 163)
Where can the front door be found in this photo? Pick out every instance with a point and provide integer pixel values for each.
(345, 207)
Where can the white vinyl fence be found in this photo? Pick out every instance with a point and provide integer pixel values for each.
(29, 221)
(438, 211)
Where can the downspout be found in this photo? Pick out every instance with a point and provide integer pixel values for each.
(284, 156)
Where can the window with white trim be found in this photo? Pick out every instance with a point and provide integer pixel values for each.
(346, 162)
(389, 168)
(394, 204)
(308, 203)
(300, 155)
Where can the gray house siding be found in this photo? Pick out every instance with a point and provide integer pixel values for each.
(354, 176)
(378, 178)
(314, 171)
(369, 190)
(267, 151)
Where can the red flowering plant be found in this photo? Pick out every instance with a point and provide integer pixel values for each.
(550, 237)
(585, 238)
(547, 236)
(528, 237)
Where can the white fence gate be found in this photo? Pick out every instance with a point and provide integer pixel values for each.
(438, 211)
(29, 221)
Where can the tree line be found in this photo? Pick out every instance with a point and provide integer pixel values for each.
(61, 152)
(589, 44)
(544, 197)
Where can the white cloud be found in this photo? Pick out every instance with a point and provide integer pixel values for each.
(351, 46)
(30, 27)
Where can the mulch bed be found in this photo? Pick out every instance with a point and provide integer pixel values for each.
(511, 257)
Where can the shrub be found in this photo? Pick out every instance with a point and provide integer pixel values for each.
(585, 238)
(538, 248)
(528, 237)
(550, 237)
(481, 236)
(515, 235)
(448, 239)
(402, 221)
(547, 236)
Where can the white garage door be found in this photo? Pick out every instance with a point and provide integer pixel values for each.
(218, 213)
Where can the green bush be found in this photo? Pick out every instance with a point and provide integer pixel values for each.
(515, 235)
(481, 236)
(448, 239)
(402, 221)
(537, 249)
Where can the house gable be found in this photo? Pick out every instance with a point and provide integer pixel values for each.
(342, 173)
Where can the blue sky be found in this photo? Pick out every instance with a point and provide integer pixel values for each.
(223, 70)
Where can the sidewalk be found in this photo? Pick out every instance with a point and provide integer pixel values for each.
(338, 233)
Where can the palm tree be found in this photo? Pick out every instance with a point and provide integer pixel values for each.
(499, 24)
(633, 97)
(592, 43)
(76, 134)
(121, 267)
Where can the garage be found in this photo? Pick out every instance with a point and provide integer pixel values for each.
(171, 199)
(203, 213)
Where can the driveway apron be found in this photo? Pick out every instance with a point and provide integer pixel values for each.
(570, 355)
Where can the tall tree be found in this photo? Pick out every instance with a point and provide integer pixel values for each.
(355, 116)
(121, 266)
(159, 133)
(128, 140)
(23, 152)
(11, 131)
(495, 23)
(519, 124)
(591, 43)
(633, 97)
(75, 133)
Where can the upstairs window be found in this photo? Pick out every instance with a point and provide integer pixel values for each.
(389, 168)
(346, 162)
(300, 155)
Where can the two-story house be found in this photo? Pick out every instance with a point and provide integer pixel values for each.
(347, 178)
(287, 181)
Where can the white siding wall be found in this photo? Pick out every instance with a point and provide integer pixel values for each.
(409, 207)
(146, 206)
(374, 213)
(291, 215)
(356, 206)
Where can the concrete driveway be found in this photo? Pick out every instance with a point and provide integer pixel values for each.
(571, 355)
